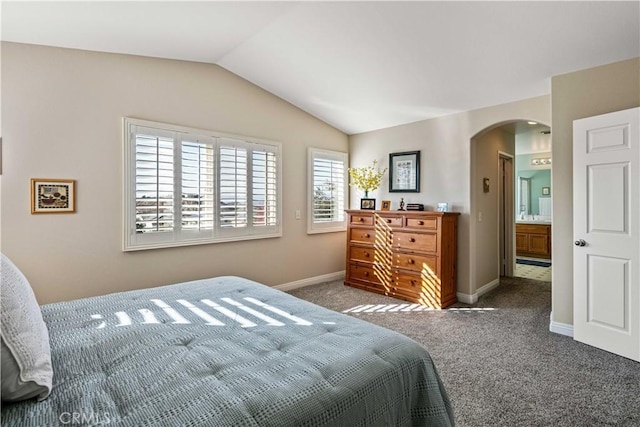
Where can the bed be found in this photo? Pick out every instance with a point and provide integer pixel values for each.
(227, 351)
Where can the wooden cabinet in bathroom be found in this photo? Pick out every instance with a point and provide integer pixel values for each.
(533, 240)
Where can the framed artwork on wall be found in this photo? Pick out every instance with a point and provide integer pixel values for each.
(404, 172)
(53, 195)
(485, 185)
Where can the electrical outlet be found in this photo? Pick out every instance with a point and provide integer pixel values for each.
(479, 216)
(297, 213)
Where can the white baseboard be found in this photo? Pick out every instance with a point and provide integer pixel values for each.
(338, 275)
(473, 298)
(560, 328)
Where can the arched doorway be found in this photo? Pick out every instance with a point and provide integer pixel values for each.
(494, 195)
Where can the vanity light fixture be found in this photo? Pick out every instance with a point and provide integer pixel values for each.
(541, 161)
(533, 123)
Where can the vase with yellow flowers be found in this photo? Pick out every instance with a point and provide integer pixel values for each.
(367, 178)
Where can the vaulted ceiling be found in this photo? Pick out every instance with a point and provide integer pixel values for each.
(358, 66)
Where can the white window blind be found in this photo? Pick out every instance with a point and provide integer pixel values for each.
(327, 180)
(233, 186)
(264, 191)
(198, 182)
(186, 186)
(154, 176)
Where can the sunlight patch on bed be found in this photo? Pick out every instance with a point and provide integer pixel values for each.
(227, 312)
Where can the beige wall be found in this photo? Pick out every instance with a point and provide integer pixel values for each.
(445, 145)
(61, 118)
(484, 160)
(577, 95)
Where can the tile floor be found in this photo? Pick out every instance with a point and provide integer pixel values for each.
(533, 272)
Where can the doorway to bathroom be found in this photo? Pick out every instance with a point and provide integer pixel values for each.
(533, 201)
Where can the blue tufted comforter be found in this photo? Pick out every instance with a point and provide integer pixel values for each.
(228, 352)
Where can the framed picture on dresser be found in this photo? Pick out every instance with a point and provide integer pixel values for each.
(368, 204)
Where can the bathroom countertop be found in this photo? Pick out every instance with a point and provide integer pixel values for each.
(540, 221)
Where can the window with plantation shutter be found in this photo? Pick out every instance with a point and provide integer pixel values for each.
(327, 187)
(187, 186)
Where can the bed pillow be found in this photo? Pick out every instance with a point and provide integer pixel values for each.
(26, 355)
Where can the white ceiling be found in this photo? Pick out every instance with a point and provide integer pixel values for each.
(358, 66)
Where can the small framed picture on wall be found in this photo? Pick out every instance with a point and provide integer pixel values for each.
(52, 196)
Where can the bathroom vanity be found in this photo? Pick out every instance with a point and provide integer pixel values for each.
(533, 239)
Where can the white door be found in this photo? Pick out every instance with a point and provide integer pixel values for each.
(606, 222)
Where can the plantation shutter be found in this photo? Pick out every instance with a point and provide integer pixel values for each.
(198, 183)
(328, 171)
(265, 185)
(154, 194)
(233, 185)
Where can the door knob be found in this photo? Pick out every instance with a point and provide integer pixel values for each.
(580, 243)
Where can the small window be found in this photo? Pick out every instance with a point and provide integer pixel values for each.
(187, 186)
(327, 187)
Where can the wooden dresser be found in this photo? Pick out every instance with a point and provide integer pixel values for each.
(409, 255)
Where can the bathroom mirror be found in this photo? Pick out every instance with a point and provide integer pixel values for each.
(533, 185)
(524, 196)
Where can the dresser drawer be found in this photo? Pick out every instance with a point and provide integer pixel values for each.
(363, 272)
(424, 288)
(415, 262)
(358, 253)
(362, 235)
(415, 241)
(391, 221)
(422, 223)
(361, 220)
(407, 282)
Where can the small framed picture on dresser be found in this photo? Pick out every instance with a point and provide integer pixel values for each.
(386, 205)
(368, 204)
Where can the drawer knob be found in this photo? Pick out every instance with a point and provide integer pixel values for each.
(366, 235)
(389, 221)
(412, 261)
(366, 274)
(366, 254)
(361, 219)
(413, 283)
(412, 240)
(420, 222)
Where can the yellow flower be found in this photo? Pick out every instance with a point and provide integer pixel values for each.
(367, 178)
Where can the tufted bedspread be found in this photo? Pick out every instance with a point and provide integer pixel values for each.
(228, 352)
